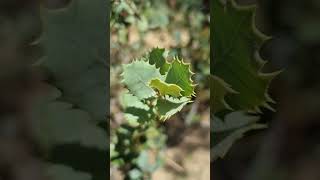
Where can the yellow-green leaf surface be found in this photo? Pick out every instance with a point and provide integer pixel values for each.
(180, 74)
(235, 45)
(165, 88)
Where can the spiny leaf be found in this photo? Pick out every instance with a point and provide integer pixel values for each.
(226, 132)
(133, 114)
(53, 120)
(59, 123)
(71, 42)
(232, 121)
(135, 111)
(157, 57)
(75, 54)
(165, 88)
(137, 76)
(219, 89)
(180, 74)
(221, 149)
(236, 43)
(128, 100)
(169, 106)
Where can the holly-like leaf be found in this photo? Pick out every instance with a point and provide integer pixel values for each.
(236, 43)
(165, 88)
(219, 89)
(169, 106)
(232, 121)
(128, 100)
(71, 42)
(76, 64)
(221, 149)
(86, 92)
(135, 111)
(157, 57)
(57, 122)
(226, 132)
(137, 76)
(180, 74)
(76, 52)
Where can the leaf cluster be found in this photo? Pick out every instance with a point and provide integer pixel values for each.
(157, 89)
(238, 85)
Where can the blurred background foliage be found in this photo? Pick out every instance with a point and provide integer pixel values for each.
(182, 27)
(289, 149)
(40, 137)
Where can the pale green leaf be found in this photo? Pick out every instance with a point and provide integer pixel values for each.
(128, 100)
(137, 76)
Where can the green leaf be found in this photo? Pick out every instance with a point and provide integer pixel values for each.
(75, 54)
(136, 114)
(87, 92)
(157, 57)
(232, 121)
(128, 100)
(71, 42)
(135, 111)
(180, 74)
(226, 132)
(57, 122)
(219, 90)
(236, 43)
(165, 88)
(221, 149)
(137, 76)
(169, 106)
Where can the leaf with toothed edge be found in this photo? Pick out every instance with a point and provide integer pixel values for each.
(219, 90)
(236, 43)
(157, 57)
(169, 106)
(180, 74)
(157, 91)
(137, 76)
